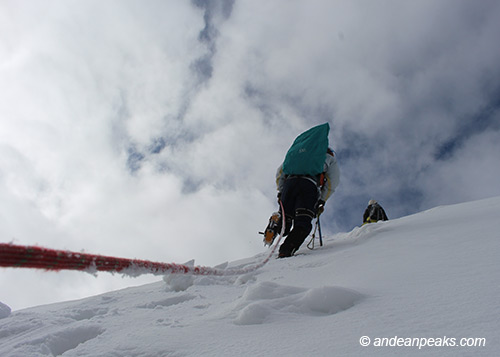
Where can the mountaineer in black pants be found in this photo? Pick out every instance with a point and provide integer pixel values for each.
(374, 213)
(303, 198)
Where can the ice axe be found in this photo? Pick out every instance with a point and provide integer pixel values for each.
(317, 227)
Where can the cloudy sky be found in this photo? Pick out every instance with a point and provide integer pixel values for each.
(153, 130)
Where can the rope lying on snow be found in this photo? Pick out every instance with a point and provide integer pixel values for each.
(19, 256)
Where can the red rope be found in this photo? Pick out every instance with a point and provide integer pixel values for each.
(19, 256)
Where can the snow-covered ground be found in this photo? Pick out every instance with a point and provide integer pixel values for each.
(430, 278)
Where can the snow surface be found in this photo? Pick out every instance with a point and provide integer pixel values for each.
(430, 275)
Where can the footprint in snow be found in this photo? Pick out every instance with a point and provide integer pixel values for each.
(174, 300)
(261, 301)
(66, 339)
(86, 313)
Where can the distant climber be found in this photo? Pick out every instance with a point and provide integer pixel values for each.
(374, 213)
(307, 178)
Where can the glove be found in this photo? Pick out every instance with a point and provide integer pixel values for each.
(320, 207)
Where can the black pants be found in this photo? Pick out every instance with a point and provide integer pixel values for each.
(299, 197)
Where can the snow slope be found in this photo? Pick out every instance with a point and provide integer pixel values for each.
(430, 275)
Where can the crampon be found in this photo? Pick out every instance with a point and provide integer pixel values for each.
(272, 229)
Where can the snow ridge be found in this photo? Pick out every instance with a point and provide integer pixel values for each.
(433, 274)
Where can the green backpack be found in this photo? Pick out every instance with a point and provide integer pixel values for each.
(307, 154)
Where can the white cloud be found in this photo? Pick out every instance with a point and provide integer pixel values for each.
(471, 174)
